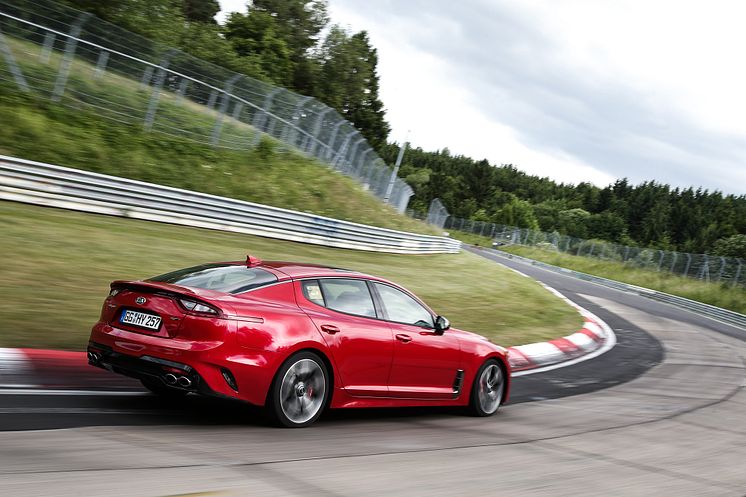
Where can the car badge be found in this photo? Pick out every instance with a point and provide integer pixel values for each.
(140, 300)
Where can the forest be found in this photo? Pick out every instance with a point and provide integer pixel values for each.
(295, 44)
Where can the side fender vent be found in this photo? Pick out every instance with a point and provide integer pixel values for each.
(458, 382)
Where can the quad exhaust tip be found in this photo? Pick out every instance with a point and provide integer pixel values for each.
(93, 357)
(180, 381)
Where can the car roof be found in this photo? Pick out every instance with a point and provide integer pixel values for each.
(296, 270)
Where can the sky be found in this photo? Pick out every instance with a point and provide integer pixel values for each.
(576, 90)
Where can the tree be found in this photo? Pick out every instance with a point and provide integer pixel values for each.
(299, 24)
(256, 36)
(203, 40)
(517, 213)
(732, 246)
(606, 226)
(348, 81)
(573, 222)
(200, 10)
(159, 20)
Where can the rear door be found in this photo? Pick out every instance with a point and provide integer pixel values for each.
(425, 364)
(361, 345)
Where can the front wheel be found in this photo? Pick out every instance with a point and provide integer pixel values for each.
(487, 390)
(299, 391)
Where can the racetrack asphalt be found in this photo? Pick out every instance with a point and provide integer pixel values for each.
(662, 412)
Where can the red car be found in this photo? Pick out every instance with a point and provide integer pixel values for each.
(295, 338)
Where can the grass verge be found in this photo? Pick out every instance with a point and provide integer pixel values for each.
(721, 295)
(57, 265)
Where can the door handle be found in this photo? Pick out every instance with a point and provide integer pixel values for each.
(328, 328)
(403, 338)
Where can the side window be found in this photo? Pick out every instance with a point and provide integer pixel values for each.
(312, 291)
(402, 308)
(349, 296)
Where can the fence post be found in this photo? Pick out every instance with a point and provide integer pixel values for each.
(181, 92)
(317, 130)
(237, 108)
(147, 75)
(365, 172)
(722, 269)
(660, 261)
(155, 95)
(15, 70)
(67, 59)
(593, 246)
(335, 131)
(343, 150)
(358, 171)
(688, 263)
(262, 116)
(738, 273)
(296, 112)
(212, 99)
(704, 273)
(46, 49)
(103, 58)
(353, 153)
(217, 128)
(673, 263)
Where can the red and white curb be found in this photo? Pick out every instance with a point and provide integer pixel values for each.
(593, 339)
(39, 369)
(34, 369)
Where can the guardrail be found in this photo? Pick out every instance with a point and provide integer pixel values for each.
(56, 186)
(724, 315)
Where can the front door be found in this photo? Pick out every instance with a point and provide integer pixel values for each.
(425, 363)
(361, 345)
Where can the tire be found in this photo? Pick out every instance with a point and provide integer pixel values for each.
(157, 387)
(299, 391)
(487, 389)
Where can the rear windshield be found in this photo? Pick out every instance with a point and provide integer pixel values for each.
(228, 278)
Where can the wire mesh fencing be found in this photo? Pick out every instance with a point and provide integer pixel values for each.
(80, 61)
(710, 268)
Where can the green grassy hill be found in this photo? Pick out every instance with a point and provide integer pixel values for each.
(71, 134)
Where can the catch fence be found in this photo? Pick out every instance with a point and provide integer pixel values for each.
(710, 268)
(80, 61)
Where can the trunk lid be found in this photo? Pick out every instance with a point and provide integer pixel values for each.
(152, 308)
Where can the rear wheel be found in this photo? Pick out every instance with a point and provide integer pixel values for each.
(156, 386)
(299, 391)
(487, 389)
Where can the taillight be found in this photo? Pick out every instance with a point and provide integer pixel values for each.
(193, 306)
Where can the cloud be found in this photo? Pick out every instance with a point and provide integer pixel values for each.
(578, 90)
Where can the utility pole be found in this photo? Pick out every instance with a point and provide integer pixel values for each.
(394, 173)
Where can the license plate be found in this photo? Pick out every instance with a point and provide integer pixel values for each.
(141, 319)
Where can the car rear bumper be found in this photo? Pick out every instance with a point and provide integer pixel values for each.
(216, 368)
(147, 367)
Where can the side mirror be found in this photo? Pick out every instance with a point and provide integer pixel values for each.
(441, 325)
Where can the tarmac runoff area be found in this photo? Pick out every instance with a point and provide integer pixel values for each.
(660, 413)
